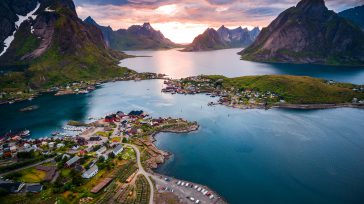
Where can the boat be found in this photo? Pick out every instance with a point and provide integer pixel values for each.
(25, 133)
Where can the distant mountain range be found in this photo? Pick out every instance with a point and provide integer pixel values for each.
(356, 15)
(54, 45)
(309, 33)
(136, 37)
(222, 38)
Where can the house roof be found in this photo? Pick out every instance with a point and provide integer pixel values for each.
(12, 187)
(34, 188)
(92, 169)
(73, 160)
(101, 150)
(118, 148)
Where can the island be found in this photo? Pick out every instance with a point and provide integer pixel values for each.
(271, 91)
(109, 160)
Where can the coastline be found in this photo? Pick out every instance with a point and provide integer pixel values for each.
(83, 88)
(161, 182)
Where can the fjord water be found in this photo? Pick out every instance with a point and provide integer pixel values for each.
(248, 156)
(226, 62)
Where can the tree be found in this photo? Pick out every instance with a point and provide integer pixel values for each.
(125, 140)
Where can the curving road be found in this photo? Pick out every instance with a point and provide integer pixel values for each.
(142, 171)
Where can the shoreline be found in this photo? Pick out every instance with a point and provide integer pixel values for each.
(295, 106)
(152, 138)
(86, 87)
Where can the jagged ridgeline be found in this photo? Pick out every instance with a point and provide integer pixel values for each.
(52, 45)
(309, 33)
(136, 37)
(223, 38)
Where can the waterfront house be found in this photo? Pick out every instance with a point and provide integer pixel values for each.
(91, 172)
(72, 162)
(117, 149)
(100, 151)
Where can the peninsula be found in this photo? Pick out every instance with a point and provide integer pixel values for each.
(110, 160)
(271, 91)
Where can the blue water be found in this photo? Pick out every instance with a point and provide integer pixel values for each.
(248, 156)
(226, 62)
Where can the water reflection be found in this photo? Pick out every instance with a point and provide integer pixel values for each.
(226, 62)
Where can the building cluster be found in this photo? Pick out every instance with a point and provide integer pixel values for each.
(228, 96)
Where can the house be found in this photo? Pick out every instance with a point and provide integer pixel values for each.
(95, 138)
(101, 150)
(110, 118)
(51, 145)
(73, 161)
(91, 172)
(13, 149)
(12, 187)
(66, 156)
(34, 188)
(26, 145)
(60, 145)
(105, 155)
(117, 149)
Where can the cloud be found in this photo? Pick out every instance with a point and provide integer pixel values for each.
(193, 13)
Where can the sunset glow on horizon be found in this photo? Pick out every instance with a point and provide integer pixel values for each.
(181, 21)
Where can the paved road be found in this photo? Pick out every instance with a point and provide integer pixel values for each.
(143, 172)
(29, 166)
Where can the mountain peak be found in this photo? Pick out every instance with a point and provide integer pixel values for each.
(90, 20)
(147, 26)
(314, 5)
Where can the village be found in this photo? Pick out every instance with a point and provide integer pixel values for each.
(243, 99)
(77, 87)
(109, 160)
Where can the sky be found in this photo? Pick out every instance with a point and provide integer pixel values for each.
(182, 20)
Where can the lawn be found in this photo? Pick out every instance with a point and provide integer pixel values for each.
(32, 175)
(128, 153)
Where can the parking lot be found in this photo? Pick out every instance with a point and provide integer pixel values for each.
(187, 192)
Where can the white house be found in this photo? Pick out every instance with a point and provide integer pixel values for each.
(117, 149)
(51, 144)
(101, 150)
(60, 145)
(91, 172)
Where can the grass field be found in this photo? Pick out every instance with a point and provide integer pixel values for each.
(294, 89)
(32, 175)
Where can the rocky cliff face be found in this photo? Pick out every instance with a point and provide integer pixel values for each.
(136, 37)
(222, 38)
(308, 33)
(355, 15)
(55, 44)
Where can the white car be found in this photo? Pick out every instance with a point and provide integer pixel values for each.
(179, 183)
(183, 183)
(187, 184)
(211, 197)
(199, 189)
(192, 198)
(197, 201)
(195, 187)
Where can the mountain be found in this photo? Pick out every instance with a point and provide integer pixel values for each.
(356, 15)
(52, 45)
(222, 38)
(308, 33)
(136, 37)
